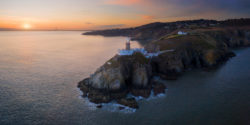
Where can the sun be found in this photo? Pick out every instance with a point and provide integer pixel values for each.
(26, 26)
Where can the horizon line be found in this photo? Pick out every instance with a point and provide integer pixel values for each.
(15, 29)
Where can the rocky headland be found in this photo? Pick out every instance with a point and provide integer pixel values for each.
(206, 45)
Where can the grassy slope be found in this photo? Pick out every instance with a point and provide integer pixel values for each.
(197, 41)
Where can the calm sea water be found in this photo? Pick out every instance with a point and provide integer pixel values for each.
(39, 72)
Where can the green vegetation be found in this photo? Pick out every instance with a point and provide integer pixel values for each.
(139, 57)
(169, 36)
(116, 61)
(112, 63)
(198, 41)
(173, 36)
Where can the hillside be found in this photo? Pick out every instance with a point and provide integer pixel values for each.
(153, 31)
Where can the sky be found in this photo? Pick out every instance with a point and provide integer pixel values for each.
(106, 14)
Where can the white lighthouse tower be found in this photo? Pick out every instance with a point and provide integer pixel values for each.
(128, 44)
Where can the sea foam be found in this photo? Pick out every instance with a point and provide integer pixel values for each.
(113, 106)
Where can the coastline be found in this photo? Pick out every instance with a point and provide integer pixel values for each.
(134, 74)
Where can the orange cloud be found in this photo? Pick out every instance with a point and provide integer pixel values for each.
(148, 17)
(122, 2)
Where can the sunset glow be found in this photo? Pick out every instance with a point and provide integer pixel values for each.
(103, 14)
(26, 26)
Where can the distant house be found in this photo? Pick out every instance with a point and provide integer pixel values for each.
(212, 24)
(182, 33)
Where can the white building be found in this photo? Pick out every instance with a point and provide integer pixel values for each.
(182, 33)
(123, 52)
(129, 51)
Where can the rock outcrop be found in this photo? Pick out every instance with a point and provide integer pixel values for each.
(118, 77)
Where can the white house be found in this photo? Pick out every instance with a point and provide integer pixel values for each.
(182, 33)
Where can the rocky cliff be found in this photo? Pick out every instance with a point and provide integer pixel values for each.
(118, 77)
(123, 75)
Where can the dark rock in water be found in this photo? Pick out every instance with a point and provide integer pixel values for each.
(159, 88)
(121, 108)
(230, 54)
(99, 106)
(116, 78)
(130, 102)
(143, 92)
(168, 76)
(98, 97)
(84, 95)
(83, 85)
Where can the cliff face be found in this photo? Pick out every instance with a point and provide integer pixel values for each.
(200, 48)
(118, 77)
(134, 74)
(116, 74)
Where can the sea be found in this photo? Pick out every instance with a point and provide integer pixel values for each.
(39, 72)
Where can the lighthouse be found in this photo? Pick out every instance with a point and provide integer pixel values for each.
(128, 44)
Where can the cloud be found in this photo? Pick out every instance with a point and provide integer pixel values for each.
(110, 26)
(167, 10)
(191, 7)
(123, 2)
(148, 17)
(88, 23)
